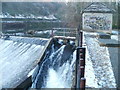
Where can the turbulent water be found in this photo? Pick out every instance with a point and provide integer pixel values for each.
(56, 70)
(16, 58)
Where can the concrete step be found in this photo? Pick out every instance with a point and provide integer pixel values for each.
(104, 36)
(109, 42)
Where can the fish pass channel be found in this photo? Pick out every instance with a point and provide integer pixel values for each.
(57, 67)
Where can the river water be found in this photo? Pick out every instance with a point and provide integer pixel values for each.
(56, 70)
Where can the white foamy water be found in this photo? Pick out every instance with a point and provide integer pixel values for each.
(58, 76)
(53, 80)
(16, 60)
(62, 78)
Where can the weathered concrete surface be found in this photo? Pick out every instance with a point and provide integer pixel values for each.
(101, 62)
(114, 55)
(17, 58)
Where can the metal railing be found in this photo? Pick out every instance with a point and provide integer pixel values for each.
(80, 80)
(67, 32)
(80, 64)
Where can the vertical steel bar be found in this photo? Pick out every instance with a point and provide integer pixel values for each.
(77, 79)
(82, 71)
(52, 34)
(78, 36)
(81, 38)
(80, 66)
(82, 83)
(82, 56)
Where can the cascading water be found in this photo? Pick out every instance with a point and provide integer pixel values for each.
(56, 70)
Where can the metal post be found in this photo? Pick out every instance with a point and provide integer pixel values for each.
(82, 62)
(80, 66)
(78, 35)
(81, 38)
(82, 71)
(82, 83)
(52, 34)
(82, 56)
(77, 78)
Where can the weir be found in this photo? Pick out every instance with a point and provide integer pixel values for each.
(18, 56)
(37, 62)
(53, 61)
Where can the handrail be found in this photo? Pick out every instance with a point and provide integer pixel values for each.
(71, 32)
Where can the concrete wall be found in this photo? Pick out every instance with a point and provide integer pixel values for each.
(97, 21)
